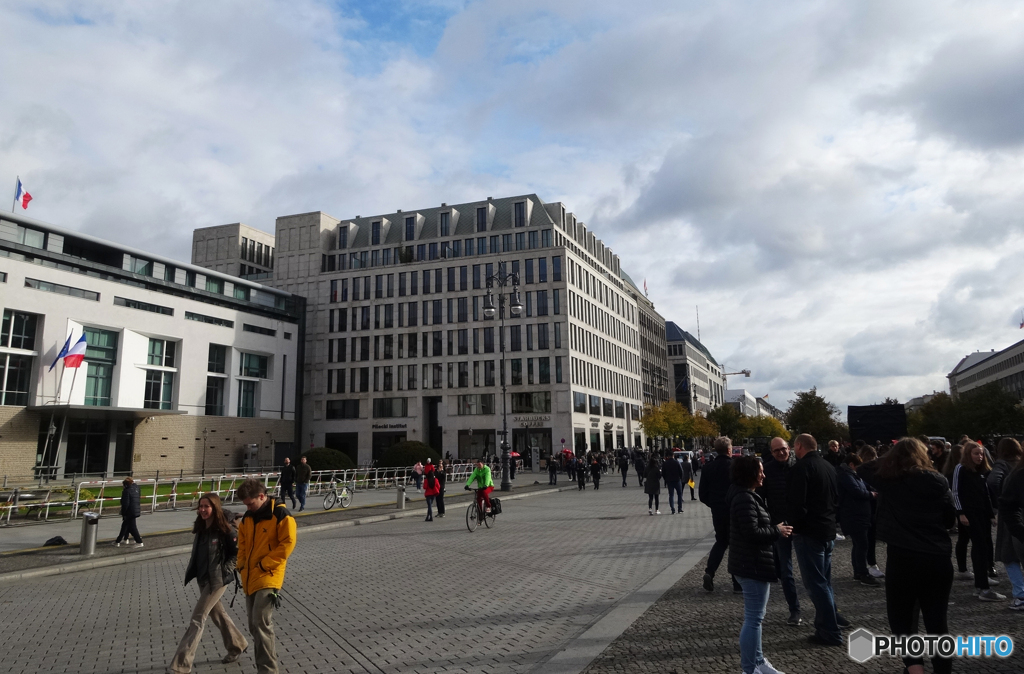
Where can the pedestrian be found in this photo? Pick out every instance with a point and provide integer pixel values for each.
(974, 511)
(581, 475)
(623, 467)
(595, 474)
(131, 510)
(287, 481)
(266, 538)
(855, 516)
(431, 488)
(212, 565)
(1008, 452)
(833, 455)
(869, 456)
(774, 489)
(512, 467)
(672, 473)
(570, 468)
(694, 467)
(441, 472)
(714, 485)
(641, 467)
(1011, 522)
(938, 454)
(303, 474)
(812, 497)
(417, 475)
(652, 484)
(552, 471)
(963, 534)
(915, 512)
(751, 558)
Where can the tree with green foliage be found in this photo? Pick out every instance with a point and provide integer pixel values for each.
(762, 426)
(811, 413)
(987, 410)
(727, 419)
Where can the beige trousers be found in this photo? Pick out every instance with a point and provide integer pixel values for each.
(209, 604)
(260, 607)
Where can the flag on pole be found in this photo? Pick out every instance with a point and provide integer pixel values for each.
(63, 352)
(76, 354)
(21, 196)
(765, 396)
(645, 286)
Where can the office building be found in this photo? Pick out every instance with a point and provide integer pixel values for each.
(697, 380)
(1005, 368)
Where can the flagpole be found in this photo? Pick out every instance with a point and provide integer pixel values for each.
(14, 202)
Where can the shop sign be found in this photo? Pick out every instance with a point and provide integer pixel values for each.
(532, 421)
(387, 426)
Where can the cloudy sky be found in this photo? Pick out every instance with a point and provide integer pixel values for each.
(837, 185)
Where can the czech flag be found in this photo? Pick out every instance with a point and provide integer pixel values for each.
(63, 352)
(76, 354)
(21, 196)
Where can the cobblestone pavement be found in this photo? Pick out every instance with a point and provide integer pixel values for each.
(690, 630)
(401, 596)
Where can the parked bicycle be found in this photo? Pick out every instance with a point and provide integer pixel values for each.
(340, 493)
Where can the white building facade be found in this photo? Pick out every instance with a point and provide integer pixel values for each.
(697, 380)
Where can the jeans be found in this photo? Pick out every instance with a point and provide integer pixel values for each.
(300, 492)
(430, 507)
(720, 520)
(288, 491)
(859, 551)
(209, 605)
(129, 527)
(755, 603)
(918, 582)
(419, 480)
(784, 567)
(1016, 576)
(675, 487)
(815, 560)
(652, 501)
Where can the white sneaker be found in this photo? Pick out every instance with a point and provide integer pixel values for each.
(116, 544)
(650, 511)
(657, 512)
(990, 595)
(140, 545)
(766, 668)
(840, 537)
(874, 571)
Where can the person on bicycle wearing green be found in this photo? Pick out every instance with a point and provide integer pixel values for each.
(484, 486)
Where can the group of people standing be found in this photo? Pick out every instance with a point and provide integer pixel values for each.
(764, 514)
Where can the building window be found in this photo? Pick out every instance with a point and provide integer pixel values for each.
(159, 387)
(531, 403)
(556, 268)
(217, 360)
(375, 234)
(620, 409)
(19, 330)
(246, 398)
(579, 402)
(161, 352)
(212, 320)
(517, 371)
(100, 356)
(143, 306)
(342, 409)
(15, 378)
(343, 237)
(595, 405)
(446, 220)
(137, 265)
(410, 228)
(481, 219)
(215, 396)
(215, 285)
(253, 365)
(386, 408)
(479, 403)
(520, 214)
(259, 330)
(62, 289)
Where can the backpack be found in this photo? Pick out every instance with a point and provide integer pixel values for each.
(495, 506)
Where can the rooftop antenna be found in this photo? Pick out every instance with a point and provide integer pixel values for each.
(698, 322)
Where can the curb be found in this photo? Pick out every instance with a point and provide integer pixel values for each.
(87, 565)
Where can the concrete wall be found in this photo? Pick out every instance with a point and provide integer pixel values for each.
(174, 443)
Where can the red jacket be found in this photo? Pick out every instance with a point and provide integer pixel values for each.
(431, 485)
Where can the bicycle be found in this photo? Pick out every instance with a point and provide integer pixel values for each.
(340, 493)
(473, 518)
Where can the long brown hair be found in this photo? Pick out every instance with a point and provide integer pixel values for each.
(952, 460)
(220, 522)
(967, 462)
(907, 455)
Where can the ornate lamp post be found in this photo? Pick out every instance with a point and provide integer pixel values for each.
(502, 279)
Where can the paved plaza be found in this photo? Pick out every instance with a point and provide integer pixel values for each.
(398, 596)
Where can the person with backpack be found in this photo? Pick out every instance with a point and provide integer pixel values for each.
(431, 488)
(266, 538)
(131, 510)
(672, 473)
(212, 566)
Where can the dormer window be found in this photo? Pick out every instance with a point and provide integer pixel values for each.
(446, 220)
(410, 228)
(520, 214)
(343, 238)
(481, 219)
(375, 234)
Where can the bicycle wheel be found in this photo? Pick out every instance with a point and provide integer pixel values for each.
(330, 499)
(471, 517)
(346, 497)
(488, 520)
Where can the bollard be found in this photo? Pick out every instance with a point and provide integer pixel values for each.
(90, 529)
(400, 503)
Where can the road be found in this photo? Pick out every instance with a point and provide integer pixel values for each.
(399, 596)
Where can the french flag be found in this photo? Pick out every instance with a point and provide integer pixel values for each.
(76, 354)
(21, 196)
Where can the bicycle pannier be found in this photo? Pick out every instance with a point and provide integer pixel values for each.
(495, 506)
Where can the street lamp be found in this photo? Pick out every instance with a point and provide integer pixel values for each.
(204, 452)
(502, 279)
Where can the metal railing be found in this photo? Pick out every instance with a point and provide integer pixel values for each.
(56, 504)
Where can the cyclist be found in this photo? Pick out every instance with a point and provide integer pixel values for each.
(484, 486)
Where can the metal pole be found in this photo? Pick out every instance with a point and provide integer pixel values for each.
(506, 482)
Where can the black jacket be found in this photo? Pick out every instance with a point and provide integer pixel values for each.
(970, 493)
(994, 481)
(751, 534)
(303, 473)
(854, 500)
(223, 552)
(671, 470)
(813, 497)
(1011, 505)
(775, 489)
(915, 511)
(287, 475)
(715, 482)
(834, 459)
(652, 478)
(131, 501)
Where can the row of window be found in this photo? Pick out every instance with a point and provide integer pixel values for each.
(257, 253)
(602, 321)
(467, 405)
(386, 347)
(603, 406)
(602, 349)
(592, 375)
(522, 371)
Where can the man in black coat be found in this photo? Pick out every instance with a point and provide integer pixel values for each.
(714, 485)
(131, 509)
(775, 491)
(288, 481)
(812, 498)
(672, 473)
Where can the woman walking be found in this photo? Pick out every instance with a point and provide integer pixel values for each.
(869, 456)
(652, 484)
(751, 557)
(431, 488)
(974, 511)
(212, 565)
(595, 474)
(131, 509)
(442, 477)
(915, 512)
(963, 535)
(855, 516)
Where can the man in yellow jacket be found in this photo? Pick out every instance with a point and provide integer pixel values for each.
(266, 537)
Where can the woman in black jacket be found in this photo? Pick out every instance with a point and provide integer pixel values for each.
(751, 557)
(1011, 527)
(131, 509)
(915, 512)
(212, 565)
(974, 510)
(652, 484)
(855, 516)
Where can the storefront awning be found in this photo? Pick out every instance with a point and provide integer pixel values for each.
(94, 412)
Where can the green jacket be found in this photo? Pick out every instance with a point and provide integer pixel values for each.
(482, 476)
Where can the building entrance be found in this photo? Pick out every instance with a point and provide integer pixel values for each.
(531, 443)
(88, 444)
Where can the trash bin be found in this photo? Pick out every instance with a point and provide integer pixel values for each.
(90, 527)
(400, 502)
